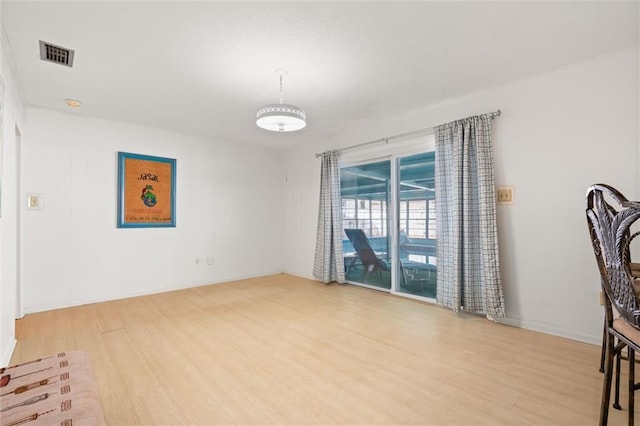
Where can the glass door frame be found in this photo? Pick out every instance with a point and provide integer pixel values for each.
(395, 229)
(393, 220)
(389, 221)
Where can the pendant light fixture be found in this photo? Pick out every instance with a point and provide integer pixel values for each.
(281, 117)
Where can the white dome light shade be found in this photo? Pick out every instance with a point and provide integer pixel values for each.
(281, 118)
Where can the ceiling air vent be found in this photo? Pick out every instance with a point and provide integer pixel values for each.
(56, 54)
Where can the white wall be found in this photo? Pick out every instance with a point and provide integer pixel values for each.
(11, 117)
(228, 207)
(559, 132)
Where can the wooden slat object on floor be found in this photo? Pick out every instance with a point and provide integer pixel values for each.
(285, 350)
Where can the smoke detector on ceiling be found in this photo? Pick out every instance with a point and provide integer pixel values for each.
(56, 54)
(72, 103)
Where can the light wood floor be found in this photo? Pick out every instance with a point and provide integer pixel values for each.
(285, 350)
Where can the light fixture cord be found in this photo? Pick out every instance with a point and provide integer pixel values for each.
(281, 97)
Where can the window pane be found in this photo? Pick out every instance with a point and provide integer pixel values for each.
(417, 233)
(432, 209)
(418, 209)
(417, 224)
(363, 209)
(349, 224)
(378, 229)
(432, 220)
(432, 229)
(349, 203)
(365, 225)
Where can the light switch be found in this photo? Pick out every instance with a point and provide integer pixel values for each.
(505, 195)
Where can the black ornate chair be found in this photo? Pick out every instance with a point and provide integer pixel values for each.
(610, 230)
(598, 192)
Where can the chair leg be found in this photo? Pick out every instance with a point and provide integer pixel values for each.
(632, 383)
(604, 345)
(617, 354)
(367, 271)
(351, 264)
(606, 386)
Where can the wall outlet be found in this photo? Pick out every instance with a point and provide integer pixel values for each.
(210, 261)
(505, 195)
(34, 201)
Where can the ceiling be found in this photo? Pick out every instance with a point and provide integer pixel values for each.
(205, 68)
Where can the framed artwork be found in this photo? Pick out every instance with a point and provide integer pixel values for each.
(146, 191)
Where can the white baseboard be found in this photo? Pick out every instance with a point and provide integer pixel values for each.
(86, 301)
(308, 277)
(543, 328)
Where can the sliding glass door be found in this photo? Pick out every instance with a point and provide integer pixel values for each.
(417, 225)
(388, 216)
(366, 191)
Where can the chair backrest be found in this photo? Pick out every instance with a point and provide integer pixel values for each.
(361, 244)
(610, 232)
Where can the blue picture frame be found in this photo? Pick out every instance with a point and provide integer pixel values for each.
(146, 191)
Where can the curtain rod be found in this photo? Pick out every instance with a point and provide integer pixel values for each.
(401, 135)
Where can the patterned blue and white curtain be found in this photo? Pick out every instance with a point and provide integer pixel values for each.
(467, 239)
(329, 261)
